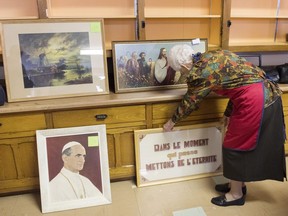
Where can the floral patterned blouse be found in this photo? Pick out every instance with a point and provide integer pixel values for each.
(221, 70)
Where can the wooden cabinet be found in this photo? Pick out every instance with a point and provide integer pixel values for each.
(121, 113)
(20, 120)
(257, 28)
(18, 153)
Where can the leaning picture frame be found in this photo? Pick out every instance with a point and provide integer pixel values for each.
(187, 152)
(73, 168)
(54, 58)
(138, 65)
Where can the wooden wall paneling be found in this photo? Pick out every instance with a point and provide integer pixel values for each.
(119, 30)
(141, 20)
(242, 8)
(247, 31)
(258, 29)
(214, 39)
(24, 9)
(282, 32)
(90, 9)
(226, 22)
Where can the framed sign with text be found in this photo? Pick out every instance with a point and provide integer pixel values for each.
(185, 153)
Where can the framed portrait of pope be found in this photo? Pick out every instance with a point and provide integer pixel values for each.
(73, 168)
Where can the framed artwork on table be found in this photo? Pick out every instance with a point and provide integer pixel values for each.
(54, 58)
(73, 168)
(143, 65)
(187, 152)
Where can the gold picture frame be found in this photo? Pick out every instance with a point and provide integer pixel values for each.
(133, 73)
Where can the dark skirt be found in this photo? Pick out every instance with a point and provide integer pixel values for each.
(267, 160)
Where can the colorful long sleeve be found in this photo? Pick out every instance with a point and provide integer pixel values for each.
(194, 96)
(216, 71)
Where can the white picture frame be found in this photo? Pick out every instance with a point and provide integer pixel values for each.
(50, 144)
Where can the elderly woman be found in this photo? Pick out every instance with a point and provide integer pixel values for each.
(253, 147)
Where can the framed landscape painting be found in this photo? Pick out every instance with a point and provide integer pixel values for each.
(143, 65)
(54, 58)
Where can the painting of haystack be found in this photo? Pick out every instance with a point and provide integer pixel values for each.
(53, 59)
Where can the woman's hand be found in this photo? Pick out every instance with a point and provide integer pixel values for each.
(225, 121)
(168, 126)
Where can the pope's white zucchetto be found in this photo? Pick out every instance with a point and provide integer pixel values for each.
(180, 55)
(70, 144)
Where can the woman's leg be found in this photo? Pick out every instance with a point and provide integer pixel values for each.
(235, 191)
(235, 196)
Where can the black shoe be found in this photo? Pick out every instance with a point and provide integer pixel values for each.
(221, 201)
(225, 188)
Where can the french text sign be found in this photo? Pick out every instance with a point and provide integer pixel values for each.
(184, 153)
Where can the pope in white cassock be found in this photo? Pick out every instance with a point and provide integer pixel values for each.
(68, 184)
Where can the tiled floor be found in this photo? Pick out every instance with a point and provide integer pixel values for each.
(266, 198)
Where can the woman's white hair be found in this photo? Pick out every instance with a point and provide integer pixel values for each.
(180, 55)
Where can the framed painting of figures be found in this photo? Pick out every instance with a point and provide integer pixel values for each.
(143, 65)
(54, 58)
